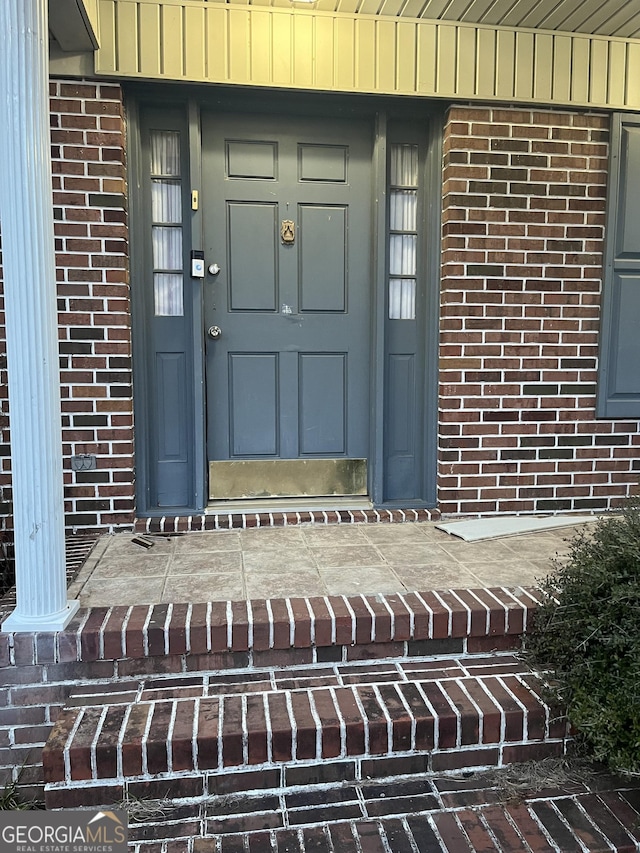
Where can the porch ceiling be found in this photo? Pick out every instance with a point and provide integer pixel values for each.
(73, 24)
(594, 17)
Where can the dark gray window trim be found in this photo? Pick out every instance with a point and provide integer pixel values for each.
(612, 403)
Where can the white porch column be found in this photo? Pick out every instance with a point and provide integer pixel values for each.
(26, 220)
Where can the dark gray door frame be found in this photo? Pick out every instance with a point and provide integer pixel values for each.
(379, 112)
(379, 271)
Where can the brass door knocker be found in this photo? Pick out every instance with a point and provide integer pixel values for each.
(288, 231)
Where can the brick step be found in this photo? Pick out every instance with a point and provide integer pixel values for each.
(134, 642)
(339, 812)
(178, 735)
(426, 812)
(285, 631)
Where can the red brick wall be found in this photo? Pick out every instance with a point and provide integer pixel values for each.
(523, 231)
(89, 202)
(523, 236)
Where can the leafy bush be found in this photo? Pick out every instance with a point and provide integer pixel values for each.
(587, 632)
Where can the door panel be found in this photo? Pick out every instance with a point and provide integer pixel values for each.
(323, 163)
(253, 268)
(289, 376)
(172, 432)
(322, 277)
(253, 385)
(251, 159)
(322, 402)
(400, 425)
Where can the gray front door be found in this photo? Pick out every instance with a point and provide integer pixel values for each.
(287, 214)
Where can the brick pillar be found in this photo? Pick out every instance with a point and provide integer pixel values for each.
(94, 309)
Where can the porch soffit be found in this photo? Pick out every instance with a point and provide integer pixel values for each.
(73, 24)
(620, 18)
(292, 46)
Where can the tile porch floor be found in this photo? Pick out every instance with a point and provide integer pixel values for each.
(308, 560)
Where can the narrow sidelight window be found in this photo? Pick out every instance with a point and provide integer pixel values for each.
(403, 233)
(166, 214)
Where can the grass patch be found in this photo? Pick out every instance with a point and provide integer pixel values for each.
(143, 810)
(11, 799)
(519, 781)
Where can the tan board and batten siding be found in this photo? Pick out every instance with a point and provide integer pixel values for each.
(192, 41)
(91, 11)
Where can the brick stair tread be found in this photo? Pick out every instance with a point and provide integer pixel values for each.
(544, 825)
(213, 722)
(449, 813)
(263, 626)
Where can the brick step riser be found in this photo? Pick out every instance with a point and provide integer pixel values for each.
(364, 808)
(268, 746)
(183, 787)
(558, 825)
(132, 642)
(457, 718)
(279, 631)
(182, 641)
(168, 524)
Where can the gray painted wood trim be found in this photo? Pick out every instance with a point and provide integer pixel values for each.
(604, 342)
(139, 342)
(433, 229)
(197, 325)
(379, 266)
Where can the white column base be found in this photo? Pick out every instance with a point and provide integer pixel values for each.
(17, 621)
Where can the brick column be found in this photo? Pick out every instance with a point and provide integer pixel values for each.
(94, 316)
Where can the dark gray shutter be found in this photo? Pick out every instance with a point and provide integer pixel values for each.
(619, 381)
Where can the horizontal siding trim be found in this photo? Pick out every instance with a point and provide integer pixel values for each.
(191, 41)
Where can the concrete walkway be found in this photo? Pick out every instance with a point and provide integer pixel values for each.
(307, 560)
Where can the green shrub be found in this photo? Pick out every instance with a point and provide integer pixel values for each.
(587, 632)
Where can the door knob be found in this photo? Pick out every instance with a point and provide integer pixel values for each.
(214, 332)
